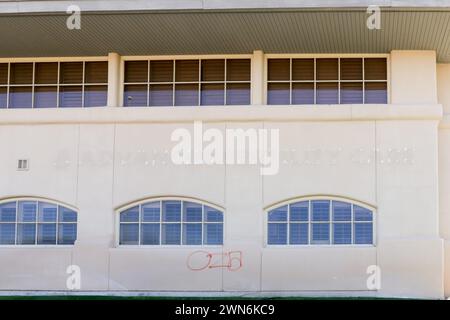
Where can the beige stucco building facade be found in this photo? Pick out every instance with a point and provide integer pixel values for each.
(393, 158)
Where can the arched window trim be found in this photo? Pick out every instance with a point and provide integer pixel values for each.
(293, 200)
(38, 199)
(130, 205)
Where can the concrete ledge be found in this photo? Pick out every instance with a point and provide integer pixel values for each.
(445, 122)
(221, 114)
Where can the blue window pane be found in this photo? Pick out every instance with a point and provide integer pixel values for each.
(27, 211)
(3, 97)
(362, 214)
(67, 233)
(192, 233)
(214, 233)
(192, 212)
(135, 96)
(70, 97)
(47, 212)
(342, 233)
(67, 215)
(278, 214)
(95, 96)
(129, 233)
(238, 93)
(151, 212)
(299, 211)
(8, 212)
(342, 211)
(130, 215)
(47, 233)
(26, 233)
(171, 211)
(7, 233)
(277, 233)
(298, 233)
(150, 233)
(20, 97)
(320, 210)
(320, 233)
(171, 233)
(213, 215)
(363, 233)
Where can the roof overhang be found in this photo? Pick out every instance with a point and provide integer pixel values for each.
(38, 28)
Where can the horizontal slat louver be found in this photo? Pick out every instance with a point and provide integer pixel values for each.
(376, 92)
(20, 97)
(278, 93)
(3, 73)
(278, 70)
(327, 93)
(96, 72)
(95, 96)
(161, 95)
(351, 69)
(303, 93)
(21, 73)
(45, 97)
(136, 71)
(238, 70)
(351, 92)
(135, 96)
(327, 69)
(3, 97)
(212, 94)
(70, 97)
(238, 94)
(71, 72)
(161, 71)
(375, 69)
(303, 69)
(186, 70)
(186, 94)
(46, 73)
(213, 70)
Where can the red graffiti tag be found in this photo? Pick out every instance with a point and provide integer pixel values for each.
(201, 260)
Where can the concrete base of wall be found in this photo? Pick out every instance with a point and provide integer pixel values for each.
(447, 268)
(187, 294)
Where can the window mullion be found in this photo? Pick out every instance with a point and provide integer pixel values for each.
(173, 83)
(82, 84)
(160, 221)
(148, 82)
(32, 85)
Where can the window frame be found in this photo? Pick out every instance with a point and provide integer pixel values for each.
(37, 200)
(288, 202)
(122, 82)
(58, 60)
(339, 81)
(180, 246)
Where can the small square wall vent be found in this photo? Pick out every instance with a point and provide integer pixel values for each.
(23, 164)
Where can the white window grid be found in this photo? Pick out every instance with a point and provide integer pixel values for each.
(363, 81)
(161, 222)
(36, 223)
(310, 223)
(198, 83)
(58, 85)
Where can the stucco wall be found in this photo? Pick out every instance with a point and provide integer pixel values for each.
(413, 77)
(443, 76)
(100, 159)
(100, 167)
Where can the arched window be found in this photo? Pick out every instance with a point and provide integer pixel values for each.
(320, 221)
(171, 222)
(36, 222)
